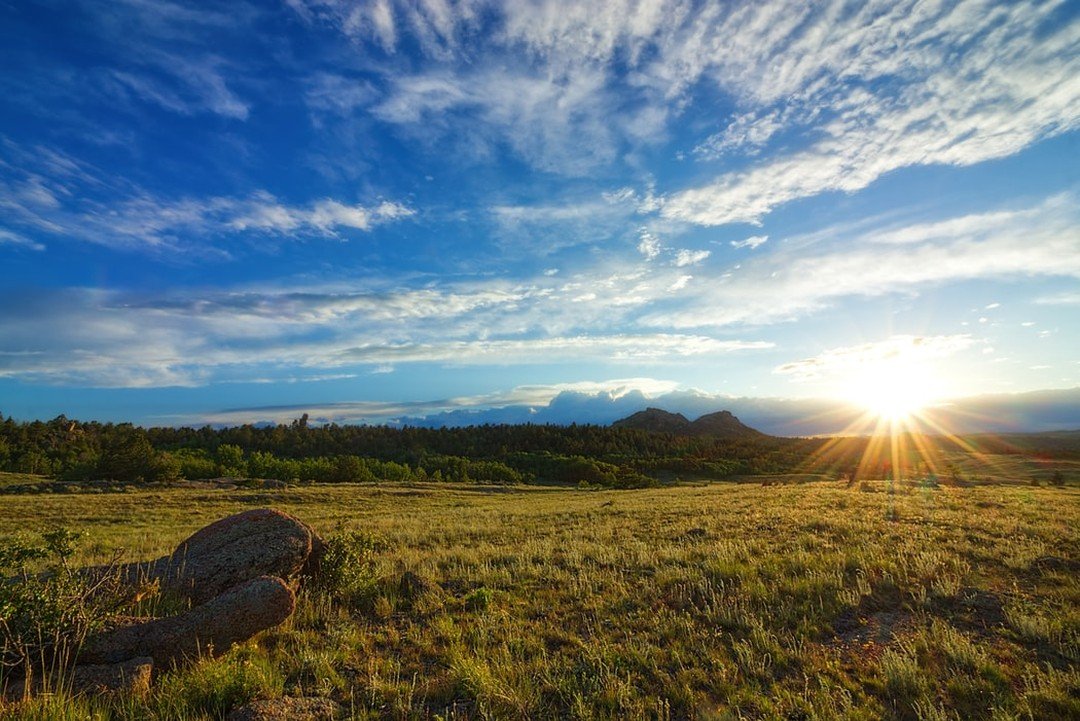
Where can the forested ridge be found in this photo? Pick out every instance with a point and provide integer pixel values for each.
(611, 456)
(602, 455)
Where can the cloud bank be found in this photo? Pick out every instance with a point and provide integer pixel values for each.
(607, 401)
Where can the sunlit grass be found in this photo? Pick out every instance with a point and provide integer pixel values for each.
(722, 601)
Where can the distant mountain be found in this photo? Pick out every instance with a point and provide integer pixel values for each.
(715, 425)
(657, 420)
(1031, 412)
(722, 425)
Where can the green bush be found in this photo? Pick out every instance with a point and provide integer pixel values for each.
(47, 608)
(479, 599)
(347, 571)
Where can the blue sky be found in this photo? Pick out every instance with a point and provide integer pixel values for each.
(234, 211)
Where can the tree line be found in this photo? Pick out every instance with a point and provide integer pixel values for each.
(502, 454)
(607, 456)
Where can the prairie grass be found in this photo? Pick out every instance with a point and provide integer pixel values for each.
(723, 601)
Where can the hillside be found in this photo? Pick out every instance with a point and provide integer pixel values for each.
(655, 420)
(721, 425)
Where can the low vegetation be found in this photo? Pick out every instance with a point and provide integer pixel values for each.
(647, 449)
(721, 601)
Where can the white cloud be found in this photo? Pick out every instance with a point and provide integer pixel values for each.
(1058, 299)
(383, 412)
(264, 213)
(871, 87)
(747, 133)
(898, 349)
(328, 92)
(180, 83)
(965, 83)
(648, 245)
(556, 122)
(681, 282)
(801, 277)
(63, 204)
(111, 339)
(752, 242)
(6, 236)
(686, 257)
(623, 347)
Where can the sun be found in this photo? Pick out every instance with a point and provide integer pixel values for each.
(894, 392)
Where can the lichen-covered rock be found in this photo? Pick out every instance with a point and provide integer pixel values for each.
(206, 630)
(237, 548)
(227, 552)
(287, 709)
(130, 677)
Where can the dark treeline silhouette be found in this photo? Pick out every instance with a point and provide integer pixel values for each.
(599, 455)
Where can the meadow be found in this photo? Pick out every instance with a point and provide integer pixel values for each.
(701, 601)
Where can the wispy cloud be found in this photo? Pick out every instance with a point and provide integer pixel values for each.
(799, 277)
(608, 311)
(265, 213)
(154, 220)
(685, 257)
(752, 242)
(111, 339)
(384, 412)
(622, 347)
(929, 112)
(6, 236)
(648, 244)
(186, 87)
(902, 349)
(48, 191)
(747, 133)
(543, 117)
(864, 89)
(1058, 299)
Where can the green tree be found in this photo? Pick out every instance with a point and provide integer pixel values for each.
(230, 460)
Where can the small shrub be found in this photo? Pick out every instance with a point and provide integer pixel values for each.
(347, 571)
(479, 599)
(47, 608)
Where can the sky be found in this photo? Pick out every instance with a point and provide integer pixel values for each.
(385, 210)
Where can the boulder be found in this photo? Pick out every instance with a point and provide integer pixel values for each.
(287, 709)
(227, 552)
(237, 548)
(206, 630)
(131, 677)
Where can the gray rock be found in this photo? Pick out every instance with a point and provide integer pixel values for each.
(206, 630)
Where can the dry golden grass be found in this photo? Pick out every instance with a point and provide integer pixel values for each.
(712, 601)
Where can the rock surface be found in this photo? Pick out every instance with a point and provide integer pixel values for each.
(287, 709)
(259, 542)
(206, 630)
(130, 677)
(237, 548)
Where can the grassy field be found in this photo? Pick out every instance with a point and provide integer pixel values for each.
(723, 601)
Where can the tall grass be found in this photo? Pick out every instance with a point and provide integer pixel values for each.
(704, 602)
